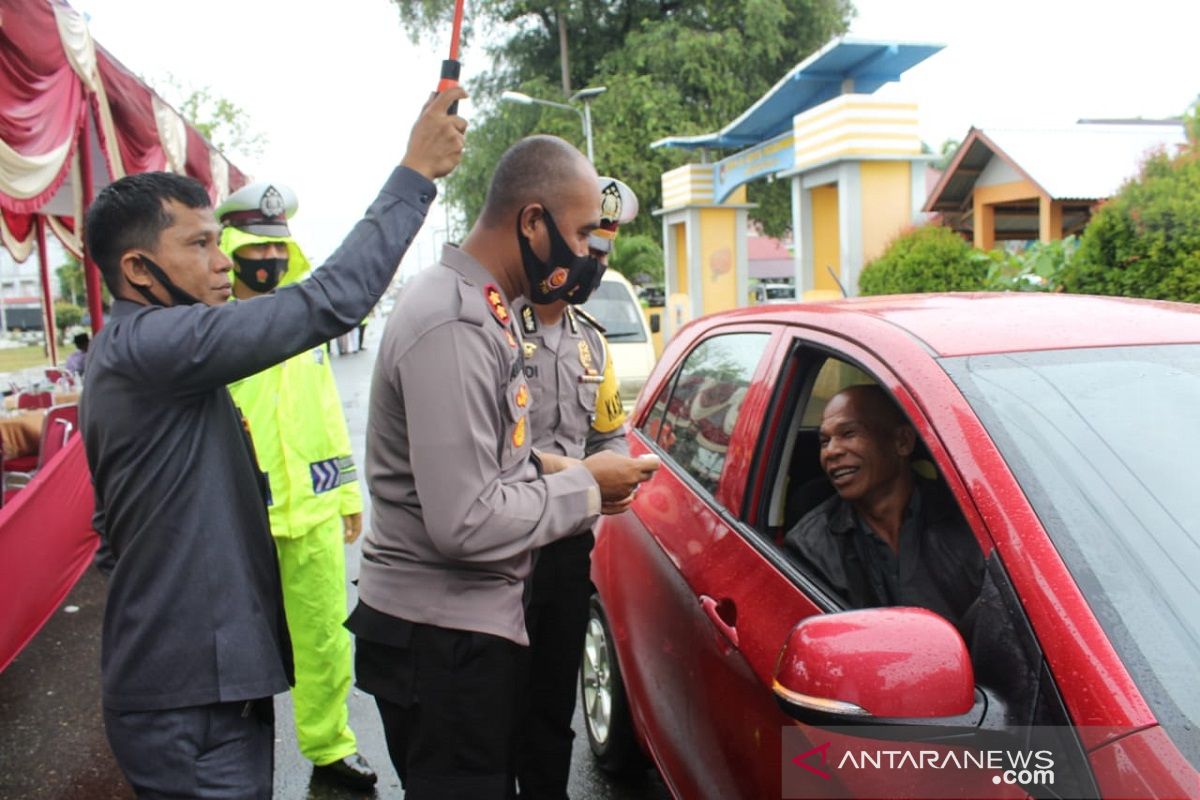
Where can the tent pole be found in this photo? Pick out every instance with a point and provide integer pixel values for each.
(90, 272)
(48, 321)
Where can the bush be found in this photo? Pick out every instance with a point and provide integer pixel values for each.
(1145, 241)
(66, 315)
(1037, 268)
(927, 259)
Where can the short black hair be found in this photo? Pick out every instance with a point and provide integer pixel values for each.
(82, 340)
(527, 173)
(131, 212)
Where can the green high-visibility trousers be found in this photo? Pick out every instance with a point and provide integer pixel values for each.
(313, 569)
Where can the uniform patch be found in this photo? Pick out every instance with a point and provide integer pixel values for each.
(528, 320)
(585, 358)
(557, 278)
(522, 397)
(530, 349)
(495, 302)
(326, 475)
(531, 371)
(518, 434)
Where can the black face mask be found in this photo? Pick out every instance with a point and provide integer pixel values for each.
(260, 274)
(178, 295)
(565, 276)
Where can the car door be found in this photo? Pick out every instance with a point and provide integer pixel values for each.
(688, 577)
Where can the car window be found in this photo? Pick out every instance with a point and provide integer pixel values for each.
(615, 308)
(693, 421)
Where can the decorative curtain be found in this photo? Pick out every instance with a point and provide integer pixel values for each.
(43, 103)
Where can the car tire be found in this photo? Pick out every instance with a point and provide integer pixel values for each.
(605, 706)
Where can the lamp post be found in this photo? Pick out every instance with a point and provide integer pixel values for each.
(584, 96)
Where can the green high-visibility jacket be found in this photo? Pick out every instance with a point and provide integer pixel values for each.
(298, 426)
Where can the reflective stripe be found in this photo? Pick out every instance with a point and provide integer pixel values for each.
(326, 475)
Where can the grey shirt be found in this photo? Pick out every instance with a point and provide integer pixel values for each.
(458, 504)
(195, 613)
(574, 412)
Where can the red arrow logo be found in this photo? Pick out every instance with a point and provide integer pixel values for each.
(821, 750)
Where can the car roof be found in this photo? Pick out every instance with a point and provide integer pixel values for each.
(993, 322)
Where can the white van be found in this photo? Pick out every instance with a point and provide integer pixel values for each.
(615, 306)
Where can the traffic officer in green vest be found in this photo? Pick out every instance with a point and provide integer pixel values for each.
(296, 422)
(575, 411)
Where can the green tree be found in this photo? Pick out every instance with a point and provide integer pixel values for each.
(638, 258)
(224, 123)
(670, 68)
(1145, 241)
(71, 284)
(66, 315)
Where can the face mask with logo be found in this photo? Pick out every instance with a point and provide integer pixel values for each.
(179, 296)
(260, 274)
(566, 276)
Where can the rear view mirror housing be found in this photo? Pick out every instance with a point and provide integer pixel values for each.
(655, 323)
(902, 667)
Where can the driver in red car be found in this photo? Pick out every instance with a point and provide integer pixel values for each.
(887, 537)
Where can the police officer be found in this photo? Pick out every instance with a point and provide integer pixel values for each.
(459, 501)
(576, 411)
(315, 507)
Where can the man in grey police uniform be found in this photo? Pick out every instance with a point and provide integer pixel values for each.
(194, 639)
(576, 411)
(459, 501)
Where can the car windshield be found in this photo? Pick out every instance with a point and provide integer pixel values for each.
(1104, 443)
(613, 306)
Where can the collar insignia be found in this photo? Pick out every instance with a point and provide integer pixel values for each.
(528, 320)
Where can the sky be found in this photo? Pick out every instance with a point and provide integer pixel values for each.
(336, 87)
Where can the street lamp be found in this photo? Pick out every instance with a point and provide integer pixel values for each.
(584, 96)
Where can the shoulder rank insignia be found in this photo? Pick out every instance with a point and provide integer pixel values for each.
(585, 358)
(530, 349)
(512, 340)
(528, 320)
(495, 302)
(589, 319)
(522, 397)
(518, 434)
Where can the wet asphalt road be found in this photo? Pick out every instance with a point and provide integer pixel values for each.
(52, 741)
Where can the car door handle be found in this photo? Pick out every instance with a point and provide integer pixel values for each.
(723, 615)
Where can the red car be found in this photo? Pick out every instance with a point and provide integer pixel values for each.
(1067, 428)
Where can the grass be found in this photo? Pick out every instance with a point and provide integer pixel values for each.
(19, 358)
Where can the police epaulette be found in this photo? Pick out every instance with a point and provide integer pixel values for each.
(589, 319)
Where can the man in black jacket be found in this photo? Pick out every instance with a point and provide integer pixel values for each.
(887, 537)
(194, 641)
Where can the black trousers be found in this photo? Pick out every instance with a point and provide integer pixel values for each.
(222, 750)
(556, 619)
(447, 699)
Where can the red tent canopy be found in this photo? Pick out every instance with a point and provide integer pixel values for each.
(73, 119)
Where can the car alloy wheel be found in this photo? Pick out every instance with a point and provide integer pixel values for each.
(605, 708)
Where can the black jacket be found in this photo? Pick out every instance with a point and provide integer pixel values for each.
(941, 571)
(195, 612)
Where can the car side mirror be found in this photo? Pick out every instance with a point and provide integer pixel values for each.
(655, 323)
(902, 667)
